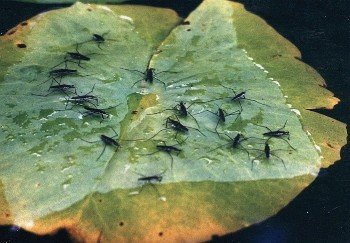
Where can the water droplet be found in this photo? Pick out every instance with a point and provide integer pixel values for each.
(209, 161)
(296, 111)
(256, 161)
(276, 82)
(126, 168)
(318, 148)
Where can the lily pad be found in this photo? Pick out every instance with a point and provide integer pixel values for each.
(55, 175)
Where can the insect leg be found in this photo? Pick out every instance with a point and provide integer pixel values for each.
(156, 134)
(167, 72)
(218, 147)
(91, 103)
(284, 125)
(44, 95)
(264, 127)
(161, 82)
(229, 88)
(103, 150)
(279, 158)
(283, 140)
(89, 141)
(160, 111)
(116, 134)
(197, 130)
(133, 70)
(288, 143)
(217, 127)
(152, 153)
(64, 61)
(137, 82)
(257, 102)
(194, 119)
(245, 150)
(172, 160)
(155, 188)
(233, 113)
(79, 61)
(93, 87)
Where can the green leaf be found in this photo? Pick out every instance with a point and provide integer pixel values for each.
(52, 178)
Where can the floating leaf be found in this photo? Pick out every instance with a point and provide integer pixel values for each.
(52, 177)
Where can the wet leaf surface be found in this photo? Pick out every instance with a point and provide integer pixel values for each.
(53, 178)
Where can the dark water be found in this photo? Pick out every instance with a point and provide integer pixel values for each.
(321, 31)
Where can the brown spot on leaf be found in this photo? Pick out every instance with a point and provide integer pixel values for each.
(160, 234)
(330, 145)
(186, 22)
(21, 45)
(24, 23)
(121, 223)
(11, 32)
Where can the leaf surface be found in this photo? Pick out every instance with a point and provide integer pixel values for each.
(52, 178)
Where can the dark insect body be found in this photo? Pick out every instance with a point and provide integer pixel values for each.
(83, 99)
(222, 114)
(62, 72)
(74, 57)
(279, 133)
(60, 88)
(236, 143)
(78, 56)
(99, 39)
(156, 178)
(268, 153)
(176, 126)
(149, 75)
(107, 141)
(276, 134)
(168, 149)
(150, 180)
(90, 111)
(181, 111)
(239, 97)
